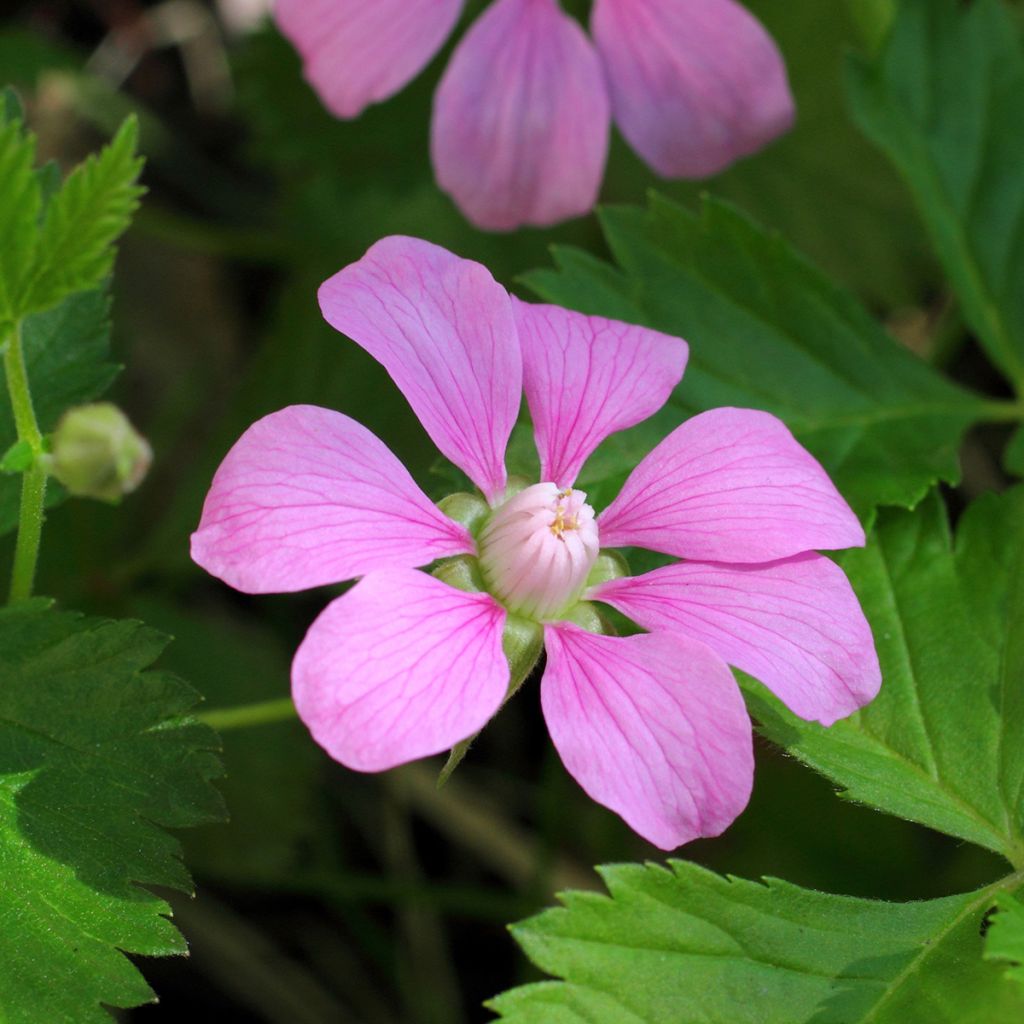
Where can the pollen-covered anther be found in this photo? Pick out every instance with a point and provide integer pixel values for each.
(537, 550)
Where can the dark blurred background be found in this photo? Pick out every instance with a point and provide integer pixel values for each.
(377, 899)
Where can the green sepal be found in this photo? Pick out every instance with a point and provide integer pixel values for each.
(18, 458)
(586, 616)
(461, 572)
(468, 509)
(610, 565)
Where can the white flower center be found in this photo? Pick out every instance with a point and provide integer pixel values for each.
(537, 550)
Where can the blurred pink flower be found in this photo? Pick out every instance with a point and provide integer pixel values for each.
(521, 116)
(405, 665)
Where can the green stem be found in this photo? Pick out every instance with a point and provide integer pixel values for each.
(264, 713)
(1001, 411)
(33, 484)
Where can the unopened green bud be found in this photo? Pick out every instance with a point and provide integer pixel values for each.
(97, 453)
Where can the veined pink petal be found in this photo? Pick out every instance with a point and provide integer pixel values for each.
(652, 727)
(521, 118)
(443, 329)
(400, 667)
(695, 84)
(586, 377)
(730, 485)
(308, 496)
(358, 52)
(796, 625)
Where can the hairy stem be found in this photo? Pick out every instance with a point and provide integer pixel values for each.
(33, 484)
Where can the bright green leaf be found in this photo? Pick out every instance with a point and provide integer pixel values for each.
(20, 204)
(10, 106)
(685, 946)
(942, 744)
(97, 757)
(943, 101)
(767, 331)
(66, 353)
(83, 220)
(1004, 940)
(17, 458)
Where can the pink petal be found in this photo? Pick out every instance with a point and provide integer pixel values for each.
(400, 667)
(308, 496)
(521, 118)
(443, 329)
(695, 84)
(651, 726)
(358, 52)
(796, 625)
(587, 377)
(730, 485)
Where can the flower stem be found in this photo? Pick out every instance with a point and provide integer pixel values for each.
(33, 484)
(264, 713)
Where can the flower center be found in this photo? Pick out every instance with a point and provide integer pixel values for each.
(537, 550)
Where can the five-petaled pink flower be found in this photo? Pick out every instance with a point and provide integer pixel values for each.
(521, 117)
(405, 664)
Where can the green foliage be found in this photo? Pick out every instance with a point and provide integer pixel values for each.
(97, 757)
(767, 331)
(943, 100)
(83, 220)
(942, 743)
(1004, 941)
(20, 205)
(66, 352)
(685, 946)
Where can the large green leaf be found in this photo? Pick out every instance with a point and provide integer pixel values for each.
(767, 331)
(20, 203)
(66, 353)
(943, 100)
(75, 246)
(685, 946)
(97, 757)
(943, 743)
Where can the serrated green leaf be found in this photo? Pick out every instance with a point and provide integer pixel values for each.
(942, 744)
(1004, 940)
(20, 203)
(768, 331)
(685, 946)
(943, 100)
(83, 220)
(98, 755)
(66, 353)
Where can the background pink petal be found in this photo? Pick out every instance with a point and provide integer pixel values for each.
(795, 625)
(521, 118)
(695, 84)
(652, 727)
(443, 329)
(730, 485)
(400, 667)
(358, 52)
(308, 496)
(586, 377)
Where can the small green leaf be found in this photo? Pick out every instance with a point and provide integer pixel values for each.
(1004, 940)
(943, 101)
(66, 352)
(942, 744)
(685, 946)
(17, 458)
(98, 755)
(82, 222)
(20, 204)
(10, 106)
(766, 331)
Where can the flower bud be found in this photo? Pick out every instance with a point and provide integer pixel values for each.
(537, 550)
(97, 453)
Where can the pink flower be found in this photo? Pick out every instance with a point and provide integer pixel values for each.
(407, 663)
(522, 114)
